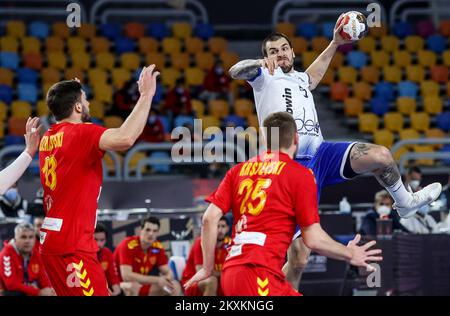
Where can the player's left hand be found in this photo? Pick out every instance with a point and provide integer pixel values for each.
(32, 136)
(361, 254)
(201, 275)
(337, 38)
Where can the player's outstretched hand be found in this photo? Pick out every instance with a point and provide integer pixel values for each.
(147, 80)
(32, 136)
(337, 38)
(201, 275)
(361, 254)
(270, 63)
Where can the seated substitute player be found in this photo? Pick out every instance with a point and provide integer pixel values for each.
(21, 270)
(106, 259)
(70, 157)
(137, 256)
(210, 286)
(269, 195)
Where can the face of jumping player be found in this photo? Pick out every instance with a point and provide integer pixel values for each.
(100, 238)
(83, 107)
(149, 233)
(25, 241)
(222, 230)
(283, 52)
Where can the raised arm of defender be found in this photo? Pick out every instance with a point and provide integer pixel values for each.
(122, 138)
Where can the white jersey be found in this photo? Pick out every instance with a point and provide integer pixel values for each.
(289, 93)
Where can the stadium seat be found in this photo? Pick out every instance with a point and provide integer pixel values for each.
(426, 58)
(347, 74)
(16, 126)
(383, 137)
(81, 60)
(9, 60)
(217, 45)
(228, 59)
(436, 43)
(112, 121)
(181, 30)
(31, 45)
(3, 113)
(110, 30)
(54, 44)
(407, 89)
(15, 28)
(194, 45)
(299, 45)
(308, 58)
(368, 122)
(103, 92)
(210, 121)
(384, 90)
(218, 108)
(72, 73)
(50, 75)
(243, 107)
(130, 61)
(415, 73)
(439, 73)
(105, 61)
(285, 28)
(425, 28)
(198, 107)
(169, 77)
(402, 29)
(400, 152)
(158, 30)
(406, 105)
(124, 45)
(234, 121)
(370, 74)
(87, 30)
(424, 149)
(252, 121)
(432, 104)
(134, 30)
(379, 58)
(96, 109)
(32, 61)
(155, 58)
(435, 133)
(9, 44)
(337, 60)
(158, 167)
(204, 31)
(57, 60)
(27, 92)
(339, 91)
(328, 29)
(6, 94)
(408, 133)
(378, 32)
(379, 105)
(119, 76)
(61, 30)
(362, 90)
(389, 43)
(26, 75)
(180, 61)
(182, 120)
(46, 87)
(414, 43)
(318, 44)
(167, 126)
(444, 28)
(76, 45)
(194, 76)
(353, 107)
(420, 121)
(171, 45)
(307, 30)
(147, 45)
(100, 45)
(204, 60)
(328, 78)
(402, 58)
(6, 77)
(429, 88)
(39, 29)
(393, 121)
(366, 44)
(357, 59)
(97, 75)
(447, 89)
(21, 109)
(443, 121)
(392, 74)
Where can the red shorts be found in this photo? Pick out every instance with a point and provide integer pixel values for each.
(244, 280)
(145, 290)
(78, 274)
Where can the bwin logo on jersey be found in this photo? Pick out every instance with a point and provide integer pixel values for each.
(288, 98)
(307, 125)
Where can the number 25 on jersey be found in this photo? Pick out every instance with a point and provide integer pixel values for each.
(254, 192)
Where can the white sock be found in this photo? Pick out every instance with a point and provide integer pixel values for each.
(399, 193)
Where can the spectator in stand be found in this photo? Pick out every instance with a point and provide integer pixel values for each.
(178, 100)
(153, 130)
(125, 99)
(216, 84)
(12, 204)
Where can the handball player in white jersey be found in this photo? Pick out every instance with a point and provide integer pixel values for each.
(278, 87)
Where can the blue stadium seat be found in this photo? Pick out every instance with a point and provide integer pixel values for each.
(124, 45)
(97, 121)
(165, 122)
(384, 90)
(111, 30)
(379, 106)
(443, 121)
(160, 168)
(158, 30)
(307, 30)
(39, 29)
(27, 75)
(6, 94)
(437, 43)
(446, 149)
(235, 120)
(407, 89)
(182, 120)
(328, 30)
(403, 29)
(14, 140)
(204, 31)
(35, 170)
(9, 60)
(157, 98)
(357, 59)
(27, 92)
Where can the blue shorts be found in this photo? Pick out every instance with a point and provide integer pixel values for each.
(327, 165)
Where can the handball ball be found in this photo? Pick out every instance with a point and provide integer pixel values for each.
(355, 25)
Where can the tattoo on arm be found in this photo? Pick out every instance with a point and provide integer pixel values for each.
(361, 150)
(388, 176)
(246, 69)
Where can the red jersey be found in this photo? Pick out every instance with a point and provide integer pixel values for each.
(16, 275)
(129, 252)
(71, 175)
(196, 258)
(268, 195)
(106, 259)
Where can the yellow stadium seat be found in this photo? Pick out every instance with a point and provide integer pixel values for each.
(406, 105)
(308, 58)
(169, 77)
(3, 111)
(87, 30)
(217, 45)
(20, 109)
(370, 74)
(61, 30)
(210, 121)
(97, 109)
(353, 107)
(378, 32)
(180, 61)
(402, 58)
(400, 152)
(119, 77)
(383, 137)
(252, 121)
(15, 28)
(243, 107)
(415, 73)
(110, 164)
(100, 45)
(368, 122)
(46, 86)
(319, 43)
(134, 161)
(379, 58)
(204, 60)
(2, 130)
(194, 76)
(393, 121)
(42, 108)
(147, 45)
(105, 60)
(426, 58)
(347, 74)
(130, 61)
(103, 93)
(413, 43)
(97, 75)
(198, 107)
(447, 89)
(408, 133)
(389, 43)
(218, 108)
(112, 121)
(9, 44)
(72, 73)
(424, 149)
(328, 78)
(181, 30)
(194, 45)
(392, 74)
(299, 45)
(171, 45)
(6, 77)
(286, 28)
(367, 44)
(362, 90)
(229, 59)
(155, 58)
(76, 45)
(429, 88)
(81, 60)
(31, 45)
(435, 133)
(54, 44)
(57, 60)
(446, 58)
(337, 60)
(432, 104)
(50, 75)
(420, 121)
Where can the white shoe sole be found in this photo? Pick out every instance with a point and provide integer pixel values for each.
(411, 213)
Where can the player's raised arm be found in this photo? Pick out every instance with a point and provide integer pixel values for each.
(122, 138)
